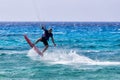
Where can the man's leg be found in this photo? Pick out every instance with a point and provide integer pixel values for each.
(46, 45)
(38, 41)
(45, 49)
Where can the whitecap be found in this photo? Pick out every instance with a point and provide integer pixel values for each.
(66, 57)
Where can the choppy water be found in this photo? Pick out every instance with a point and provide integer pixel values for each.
(84, 51)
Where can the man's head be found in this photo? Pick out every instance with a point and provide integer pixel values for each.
(50, 30)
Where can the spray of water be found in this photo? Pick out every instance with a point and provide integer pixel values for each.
(66, 57)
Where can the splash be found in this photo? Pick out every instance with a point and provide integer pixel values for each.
(67, 57)
(33, 55)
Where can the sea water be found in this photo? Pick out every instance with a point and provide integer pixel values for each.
(84, 51)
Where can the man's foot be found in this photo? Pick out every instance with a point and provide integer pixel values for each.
(42, 52)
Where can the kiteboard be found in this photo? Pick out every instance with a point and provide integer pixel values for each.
(32, 45)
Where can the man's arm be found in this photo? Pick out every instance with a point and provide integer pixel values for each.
(53, 41)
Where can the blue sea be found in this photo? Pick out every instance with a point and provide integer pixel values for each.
(84, 51)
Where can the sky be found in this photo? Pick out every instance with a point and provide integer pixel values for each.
(60, 10)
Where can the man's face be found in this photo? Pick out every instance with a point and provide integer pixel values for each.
(50, 30)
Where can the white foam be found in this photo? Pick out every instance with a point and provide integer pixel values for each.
(12, 52)
(33, 55)
(67, 57)
(105, 63)
(60, 57)
(59, 33)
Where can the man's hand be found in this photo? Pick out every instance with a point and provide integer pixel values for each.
(42, 27)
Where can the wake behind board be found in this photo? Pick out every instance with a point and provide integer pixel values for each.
(32, 46)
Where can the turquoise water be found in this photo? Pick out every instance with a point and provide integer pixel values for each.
(84, 51)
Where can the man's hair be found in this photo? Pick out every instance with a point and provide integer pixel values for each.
(50, 29)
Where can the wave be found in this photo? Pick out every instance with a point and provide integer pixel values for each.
(67, 57)
(12, 52)
(59, 33)
(115, 32)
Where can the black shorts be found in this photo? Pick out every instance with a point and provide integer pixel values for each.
(44, 41)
